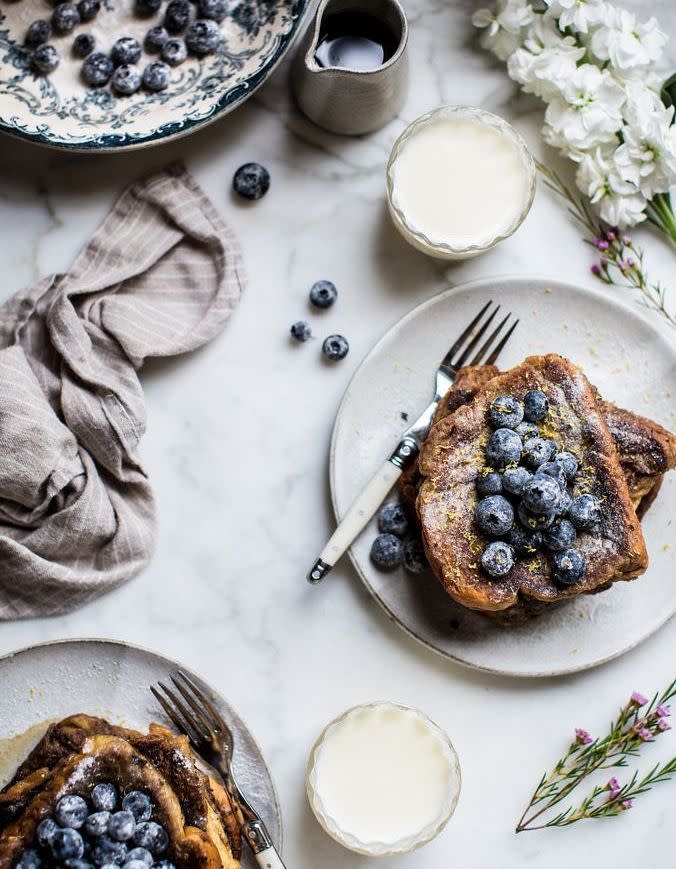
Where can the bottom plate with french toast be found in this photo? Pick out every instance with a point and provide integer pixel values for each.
(542, 495)
(92, 773)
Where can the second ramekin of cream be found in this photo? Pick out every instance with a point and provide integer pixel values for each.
(459, 181)
(383, 779)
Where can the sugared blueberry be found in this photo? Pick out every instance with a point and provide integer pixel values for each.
(107, 851)
(387, 551)
(126, 49)
(139, 804)
(203, 37)
(152, 836)
(65, 18)
(97, 823)
(252, 181)
(561, 535)
(505, 412)
(174, 51)
(541, 494)
(527, 430)
(555, 471)
(415, 559)
(67, 845)
(45, 830)
(157, 75)
(126, 79)
(155, 39)
(497, 559)
(97, 69)
(534, 521)
(122, 826)
(83, 44)
(163, 864)
(214, 9)
(525, 542)
(563, 504)
(494, 515)
(71, 811)
(30, 859)
(392, 519)
(177, 15)
(141, 854)
(489, 484)
(46, 58)
(323, 294)
(39, 32)
(503, 448)
(568, 567)
(335, 347)
(535, 406)
(147, 7)
(568, 462)
(584, 512)
(77, 864)
(88, 9)
(301, 331)
(514, 479)
(536, 451)
(104, 797)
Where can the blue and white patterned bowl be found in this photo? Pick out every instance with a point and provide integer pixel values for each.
(58, 110)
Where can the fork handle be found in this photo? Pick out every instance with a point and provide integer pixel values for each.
(269, 859)
(256, 834)
(364, 507)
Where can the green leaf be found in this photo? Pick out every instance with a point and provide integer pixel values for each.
(668, 92)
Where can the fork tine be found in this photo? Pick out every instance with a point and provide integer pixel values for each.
(186, 715)
(472, 344)
(489, 341)
(460, 341)
(201, 696)
(194, 705)
(494, 355)
(172, 716)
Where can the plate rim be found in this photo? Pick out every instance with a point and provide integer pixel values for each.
(101, 641)
(225, 106)
(491, 284)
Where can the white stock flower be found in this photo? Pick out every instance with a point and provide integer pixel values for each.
(587, 113)
(577, 14)
(546, 60)
(504, 26)
(617, 201)
(627, 43)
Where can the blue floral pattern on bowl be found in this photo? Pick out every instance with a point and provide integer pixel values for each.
(59, 110)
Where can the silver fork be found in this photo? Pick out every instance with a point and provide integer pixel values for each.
(375, 492)
(194, 715)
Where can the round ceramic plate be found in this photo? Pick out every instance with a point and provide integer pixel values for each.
(59, 110)
(629, 361)
(109, 679)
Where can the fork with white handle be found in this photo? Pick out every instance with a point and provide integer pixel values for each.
(375, 492)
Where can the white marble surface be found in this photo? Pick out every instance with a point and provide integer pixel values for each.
(227, 595)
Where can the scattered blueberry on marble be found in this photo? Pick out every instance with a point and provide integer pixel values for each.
(523, 541)
(89, 9)
(392, 519)
(503, 448)
(252, 181)
(203, 37)
(155, 39)
(97, 823)
(152, 836)
(156, 76)
(537, 451)
(67, 844)
(584, 512)
(97, 69)
(387, 551)
(494, 515)
(323, 294)
(535, 406)
(139, 804)
(415, 560)
(45, 58)
(38, 33)
(148, 7)
(489, 484)
(177, 16)
(175, 51)
(214, 9)
(126, 49)
(65, 18)
(505, 412)
(514, 480)
(569, 567)
(83, 44)
(301, 331)
(335, 347)
(126, 79)
(104, 797)
(71, 811)
(497, 559)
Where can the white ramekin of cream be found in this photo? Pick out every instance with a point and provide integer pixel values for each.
(383, 779)
(459, 180)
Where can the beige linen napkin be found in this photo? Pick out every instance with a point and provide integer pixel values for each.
(160, 277)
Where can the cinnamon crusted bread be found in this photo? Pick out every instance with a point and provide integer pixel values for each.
(453, 457)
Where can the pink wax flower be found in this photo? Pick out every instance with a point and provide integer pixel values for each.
(582, 736)
(627, 804)
(638, 699)
(663, 711)
(663, 724)
(644, 734)
(613, 787)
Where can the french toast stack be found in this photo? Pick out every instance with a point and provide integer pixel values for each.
(621, 461)
(186, 819)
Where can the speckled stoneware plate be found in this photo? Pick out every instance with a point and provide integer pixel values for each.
(59, 110)
(625, 357)
(109, 679)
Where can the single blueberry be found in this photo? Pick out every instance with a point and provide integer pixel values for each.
(415, 560)
(505, 412)
(503, 448)
(561, 535)
(126, 49)
(535, 406)
(536, 451)
(88, 9)
(140, 854)
(323, 294)
(174, 51)
(541, 494)
(568, 567)
(30, 859)
(107, 850)
(121, 826)
(66, 845)
(387, 551)
(494, 515)
(335, 347)
(392, 519)
(97, 69)
(563, 504)
(527, 430)
(71, 811)
(83, 44)
(97, 823)
(126, 79)
(155, 39)
(177, 15)
(568, 462)
(139, 804)
(152, 836)
(301, 331)
(39, 32)
(46, 58)
(489, 484)
(252, 181)
(497, 559)
(534, 521)
(65, 18)
(514, 479)
(136, 864)
(584, 512)
(78, 864)
(156, 76)
(214, 9)
(555, 471)
(45, 830)
(104, 797)
(147, 7)
(203, 37)
(523, 541)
